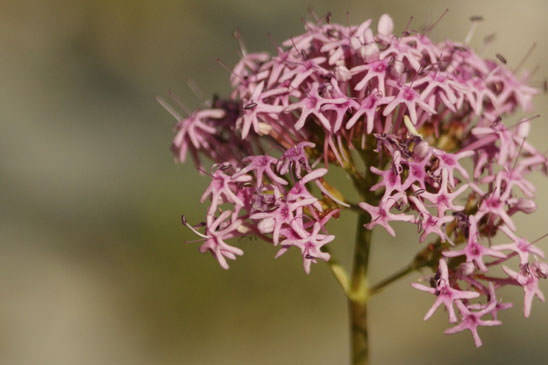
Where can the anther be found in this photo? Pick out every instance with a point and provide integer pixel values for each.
(501, 58)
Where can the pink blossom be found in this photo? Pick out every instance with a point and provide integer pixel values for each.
(472, 320)
(444, 293)
(528, 278)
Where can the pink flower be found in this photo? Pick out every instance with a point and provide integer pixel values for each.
(310, 244)
(520, 246)
(311, 104)
(444, 293)
(472, 320)
(528, 278)
(218, 230)
(443, 199)
(381, 215)
(473, 250)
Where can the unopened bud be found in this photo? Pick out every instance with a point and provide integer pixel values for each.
(369, 37)
(342, 73)
(370, 52)
(523, 129)
(355, 43)
(386, 25)
(264, 129)
(466, 268)
(266, 225)
(541, 270)
(526, 206)
(242, 229)
(421, 150)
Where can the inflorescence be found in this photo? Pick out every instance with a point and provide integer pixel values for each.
(425, 120)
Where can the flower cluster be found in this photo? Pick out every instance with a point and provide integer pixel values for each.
(268, 197)
(416, 113)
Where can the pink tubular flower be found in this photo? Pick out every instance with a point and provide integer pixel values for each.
(528, 278)
(444, 293)
(423, 130)
(310, 244)
(219, 230)
(472, 320)
(381, 215)
(473, 250)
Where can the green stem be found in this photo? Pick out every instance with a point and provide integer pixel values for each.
(375, 289)
(428, 256)
(357, 301)
(339, 273)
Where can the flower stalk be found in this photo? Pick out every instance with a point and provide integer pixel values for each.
(357, 301)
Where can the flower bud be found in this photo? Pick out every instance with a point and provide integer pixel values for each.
(523, 129)
(266, 225)
(369, 36)
(526, 206)
(386, 25)
(264, 129)
(355, 43)
(342, 73)
(466, 268)
(540, 270)
(370, 52)
(421, 150)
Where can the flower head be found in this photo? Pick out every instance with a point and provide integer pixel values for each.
(428, 122)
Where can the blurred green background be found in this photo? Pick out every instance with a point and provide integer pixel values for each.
(93, 264)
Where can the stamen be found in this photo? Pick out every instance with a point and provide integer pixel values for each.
(501, 58)
(430, 27)
(236, 34)
(220, 62)
(328, 17)
(490, 38)
(475, 20)
(170, 110)
(189, 226)
(405, 30)
(531, 49)
(179, 103)
(301, 52)
(195, 89)
(519, 152)
(540, 238)
(487, 40)
(525, 120)
(269, 35)
(348, 18)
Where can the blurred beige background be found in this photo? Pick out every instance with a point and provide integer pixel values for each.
(93, 264)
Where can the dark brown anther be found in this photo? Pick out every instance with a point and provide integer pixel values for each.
(395, 170)
(250, 106)
(236, 34)
(476, 18)
(489, 38)
(328, 17)
(501, 58)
